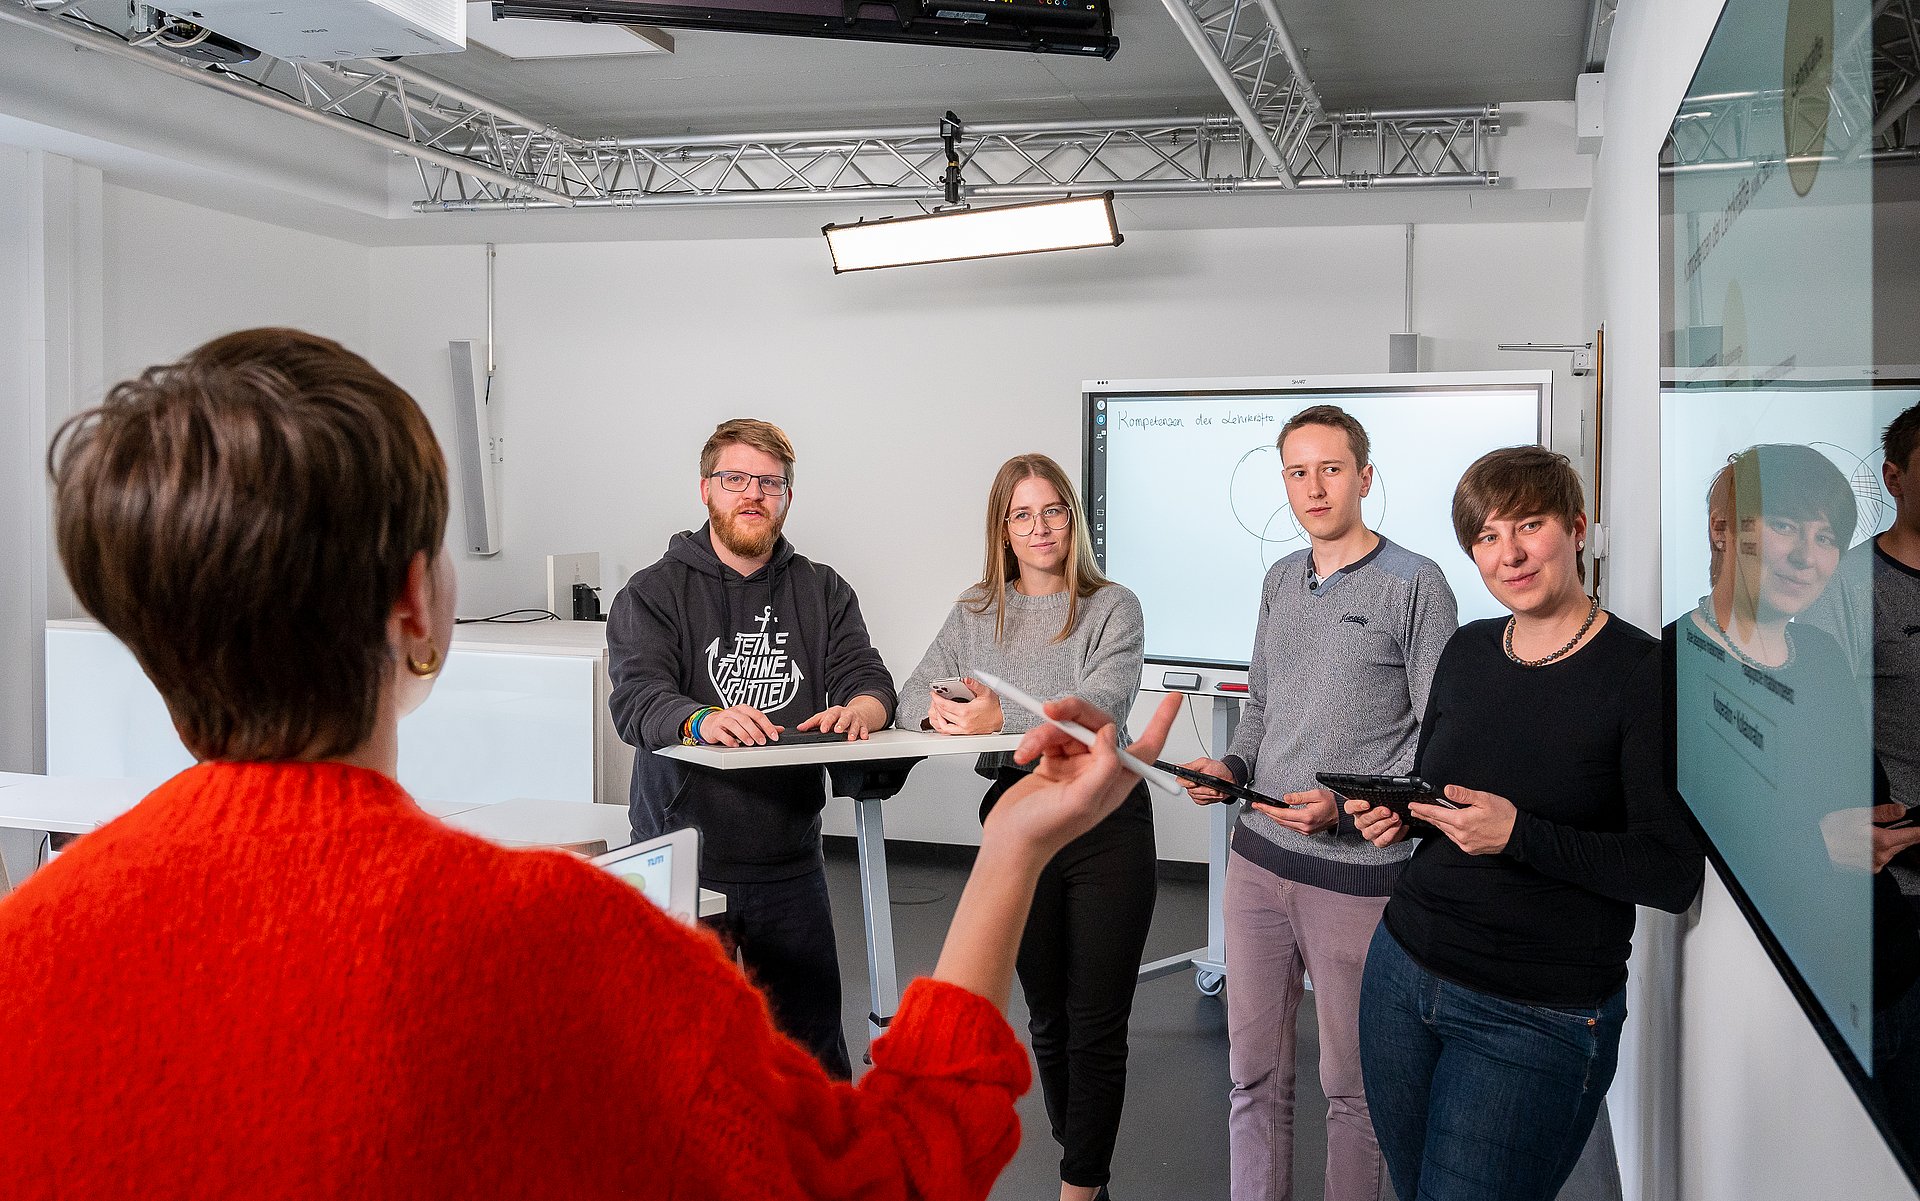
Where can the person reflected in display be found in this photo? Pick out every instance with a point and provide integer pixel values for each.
(1349, 633)
(1876, 616)
(1043, 618)
(1495, 988)
(277, 977)
(728, 639)
(1778, 519)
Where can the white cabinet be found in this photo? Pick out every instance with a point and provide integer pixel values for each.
(518, 711)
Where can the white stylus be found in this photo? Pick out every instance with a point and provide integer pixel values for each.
(1080, 733)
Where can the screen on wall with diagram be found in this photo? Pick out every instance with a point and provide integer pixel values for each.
(1772, 494)
(1186, 504)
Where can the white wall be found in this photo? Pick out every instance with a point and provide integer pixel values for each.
(97, 282)
(178, 274)
(903, 391)
(1760, 1111)
(19, 483)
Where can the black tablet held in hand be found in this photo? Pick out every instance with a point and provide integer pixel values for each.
(1221, 784)
(1389, 792)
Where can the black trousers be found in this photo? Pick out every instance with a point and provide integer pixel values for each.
(783, 930)
(1079, 961)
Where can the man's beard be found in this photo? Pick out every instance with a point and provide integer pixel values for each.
(747, 542)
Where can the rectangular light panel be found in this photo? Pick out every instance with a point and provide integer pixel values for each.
(1071, 224)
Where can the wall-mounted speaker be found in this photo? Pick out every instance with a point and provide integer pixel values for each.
(474, 449)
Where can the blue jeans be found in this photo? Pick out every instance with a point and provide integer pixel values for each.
(1476, 1098)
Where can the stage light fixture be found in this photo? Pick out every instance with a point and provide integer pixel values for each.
(955, 231)
(969, 233)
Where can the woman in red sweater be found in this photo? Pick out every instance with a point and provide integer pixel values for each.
(276, 977)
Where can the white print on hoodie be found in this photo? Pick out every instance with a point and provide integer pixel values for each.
(757, 671)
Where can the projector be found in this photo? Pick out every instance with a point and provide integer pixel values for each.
(331, 30)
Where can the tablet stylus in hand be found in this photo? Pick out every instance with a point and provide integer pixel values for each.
(1152, 775)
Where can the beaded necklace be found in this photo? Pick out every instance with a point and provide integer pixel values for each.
(1713, 621)
(1506, 642)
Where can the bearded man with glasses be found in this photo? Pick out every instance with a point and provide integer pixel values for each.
(727, 640)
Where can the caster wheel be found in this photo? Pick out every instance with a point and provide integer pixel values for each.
(1209, 983)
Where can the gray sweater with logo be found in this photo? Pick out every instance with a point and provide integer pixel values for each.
(1338, 683)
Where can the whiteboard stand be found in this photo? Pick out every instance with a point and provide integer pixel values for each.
(1209, 963)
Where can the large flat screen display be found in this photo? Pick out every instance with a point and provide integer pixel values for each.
(1771, 493)
(1187, 506)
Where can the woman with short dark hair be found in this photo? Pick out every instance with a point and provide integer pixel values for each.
(1495, 988)
(277, 977)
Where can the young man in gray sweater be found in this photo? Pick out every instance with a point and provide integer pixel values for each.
(1350, 631)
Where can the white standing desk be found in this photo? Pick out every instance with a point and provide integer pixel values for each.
(74, 805)
(891, 754)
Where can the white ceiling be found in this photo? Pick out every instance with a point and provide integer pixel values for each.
(155, 133)
(1381, 53)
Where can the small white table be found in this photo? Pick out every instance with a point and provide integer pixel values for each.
(75, 805)
(892, 753)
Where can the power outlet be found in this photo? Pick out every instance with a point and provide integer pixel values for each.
(563, 572)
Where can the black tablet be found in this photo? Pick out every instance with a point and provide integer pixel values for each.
(1227, 786)
(808, 737)
(1389, 792)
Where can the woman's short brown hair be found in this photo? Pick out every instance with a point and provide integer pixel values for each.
(1517, 481)
(244, 520)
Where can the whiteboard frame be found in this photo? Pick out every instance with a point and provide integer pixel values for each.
(1230, 680)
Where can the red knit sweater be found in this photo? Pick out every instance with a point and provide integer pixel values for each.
(284, 980)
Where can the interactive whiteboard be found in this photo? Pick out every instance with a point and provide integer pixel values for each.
(1186, 505)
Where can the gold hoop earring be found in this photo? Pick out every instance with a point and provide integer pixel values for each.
(427, 670)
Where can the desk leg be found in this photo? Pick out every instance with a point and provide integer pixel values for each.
(1209, 963)
(883, 988)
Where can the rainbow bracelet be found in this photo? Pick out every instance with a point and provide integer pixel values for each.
(693, 724)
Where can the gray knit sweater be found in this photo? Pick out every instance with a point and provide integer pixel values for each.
(1338, 683)
(1099, 660)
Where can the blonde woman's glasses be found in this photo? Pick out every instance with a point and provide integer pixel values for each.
(1055, 517)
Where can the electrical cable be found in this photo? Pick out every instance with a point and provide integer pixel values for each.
(1198, 737)
(510, 618)
(161, 38)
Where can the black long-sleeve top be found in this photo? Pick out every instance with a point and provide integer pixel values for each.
(1579, 747)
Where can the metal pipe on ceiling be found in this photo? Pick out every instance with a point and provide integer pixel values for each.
(910, 139)
(1291, 51)
(895, 133)
(1161, 187)
(1223, 79)
(1440, 112)
(115, 48)
(406, 73)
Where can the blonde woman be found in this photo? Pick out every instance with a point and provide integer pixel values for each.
(1043, 617)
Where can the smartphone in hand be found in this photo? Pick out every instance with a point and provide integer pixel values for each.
(953, 689)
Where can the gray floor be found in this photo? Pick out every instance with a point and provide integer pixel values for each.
(1173, 1140)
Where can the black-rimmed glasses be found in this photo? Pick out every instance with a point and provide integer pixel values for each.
(1056, 517)
(737, 481)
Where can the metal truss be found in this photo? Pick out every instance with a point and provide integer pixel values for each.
(1870, 108)
(1178, 156)
(476, 155)
(1246, 48)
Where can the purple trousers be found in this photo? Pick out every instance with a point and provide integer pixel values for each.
(1277, 931)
